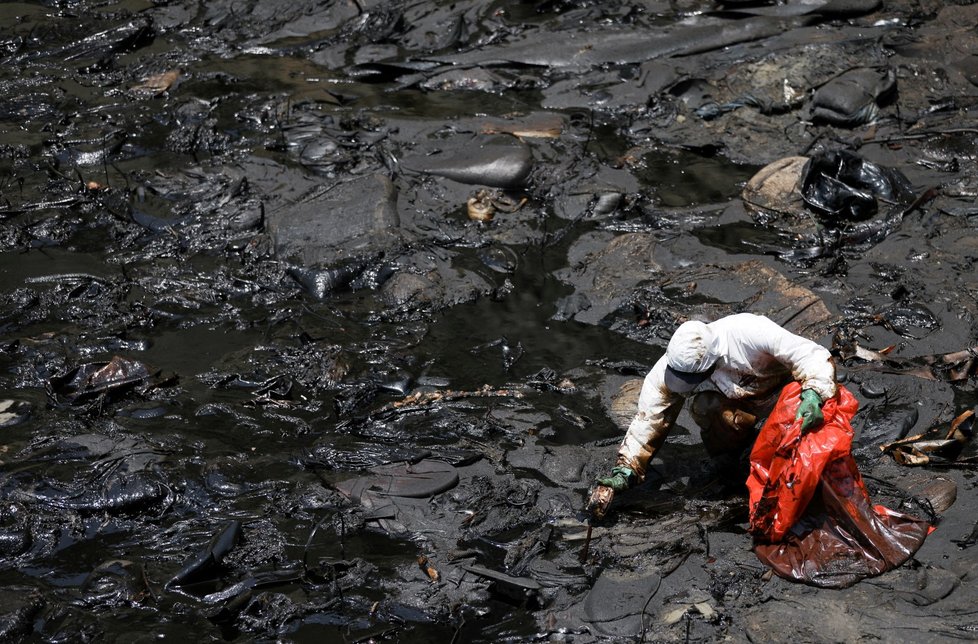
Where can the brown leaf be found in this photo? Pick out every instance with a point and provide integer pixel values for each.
(157, 83)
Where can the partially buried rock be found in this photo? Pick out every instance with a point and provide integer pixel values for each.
(617, 603)
(940, 491)
(854, 97)
(756, 288)
(604, 271)
(968, 66)
(561, 464)
(320, 282)
(351, 220)
(775, 189)
(432, 282)
(494, 161)
(409, 480)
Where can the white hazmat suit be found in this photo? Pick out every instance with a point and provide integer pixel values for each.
(752, 358)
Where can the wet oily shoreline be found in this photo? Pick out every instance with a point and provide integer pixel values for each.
(319, 319)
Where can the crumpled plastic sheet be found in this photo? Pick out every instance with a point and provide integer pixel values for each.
(97, 378)
(810, 513)
(841, 185)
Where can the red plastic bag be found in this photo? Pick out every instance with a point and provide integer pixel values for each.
(810, 513)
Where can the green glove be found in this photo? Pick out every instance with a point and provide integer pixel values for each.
(810, 410)
(620, 479)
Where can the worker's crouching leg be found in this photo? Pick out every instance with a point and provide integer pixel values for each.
(728, 427)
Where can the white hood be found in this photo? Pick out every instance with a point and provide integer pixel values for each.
(693, 348)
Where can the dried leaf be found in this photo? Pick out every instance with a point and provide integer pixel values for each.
(914, 450)
(705, 609)
(873, 356)
(157, 83)
(962, 427)
(674, 616)
(910, 457)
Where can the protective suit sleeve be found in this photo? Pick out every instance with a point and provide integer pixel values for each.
(657, 411)
(810, 363)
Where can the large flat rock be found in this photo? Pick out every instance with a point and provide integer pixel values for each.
(354, 218)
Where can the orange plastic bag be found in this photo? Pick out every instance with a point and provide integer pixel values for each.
(785, 467)
(810, 513)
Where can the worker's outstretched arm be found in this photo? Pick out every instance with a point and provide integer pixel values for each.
(657, 411)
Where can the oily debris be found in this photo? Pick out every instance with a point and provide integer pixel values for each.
(258, 359)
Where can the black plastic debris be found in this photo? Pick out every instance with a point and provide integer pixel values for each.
(206, 564)
(15, 532)
(107, 45)
(93, 380)
(229, 602)
(126, 494)
(115, 582)
(838, 184)
(19, 623)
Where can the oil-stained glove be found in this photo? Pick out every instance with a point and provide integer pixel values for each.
(620, 479)
(810, 410)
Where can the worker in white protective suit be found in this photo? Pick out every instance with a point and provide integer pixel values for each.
(734, 369)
